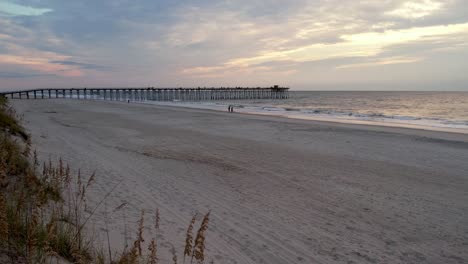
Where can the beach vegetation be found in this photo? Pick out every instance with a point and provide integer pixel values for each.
(44, 211)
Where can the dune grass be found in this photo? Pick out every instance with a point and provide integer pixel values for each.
(43, 209)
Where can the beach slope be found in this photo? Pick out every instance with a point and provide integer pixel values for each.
(279, 190)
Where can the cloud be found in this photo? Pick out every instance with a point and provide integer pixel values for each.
(16, 75)
(416, 9)
(199, 42)
(355, 45)
(39, 62)
(39, 50)
(12, 9)
(81, 65)
(381, 61)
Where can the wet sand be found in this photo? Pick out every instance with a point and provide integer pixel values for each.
(279, 190)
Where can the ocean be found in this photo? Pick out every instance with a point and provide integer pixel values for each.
(446, 111)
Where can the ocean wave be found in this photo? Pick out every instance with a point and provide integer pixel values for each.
(334, 115)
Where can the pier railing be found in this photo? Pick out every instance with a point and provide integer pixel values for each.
(153, 94)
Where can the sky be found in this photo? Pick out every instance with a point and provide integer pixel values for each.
(305, 45)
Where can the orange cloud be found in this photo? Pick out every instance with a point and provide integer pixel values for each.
(42, 64)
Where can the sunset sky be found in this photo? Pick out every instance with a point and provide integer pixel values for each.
(321, 45)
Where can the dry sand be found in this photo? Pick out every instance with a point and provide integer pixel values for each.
(280, 191)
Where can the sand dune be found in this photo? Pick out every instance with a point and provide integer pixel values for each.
(280, 191)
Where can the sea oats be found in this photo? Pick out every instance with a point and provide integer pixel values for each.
(199, 247)
(153, 258)
(156, 221)
(189, 238)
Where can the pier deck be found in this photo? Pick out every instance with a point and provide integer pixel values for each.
(154, 94)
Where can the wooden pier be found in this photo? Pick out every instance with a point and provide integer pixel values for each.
(153, 94)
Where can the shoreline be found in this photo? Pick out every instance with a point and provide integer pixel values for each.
(377, 127)
(321, 118)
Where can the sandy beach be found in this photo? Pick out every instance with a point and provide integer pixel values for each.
(279, 190)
